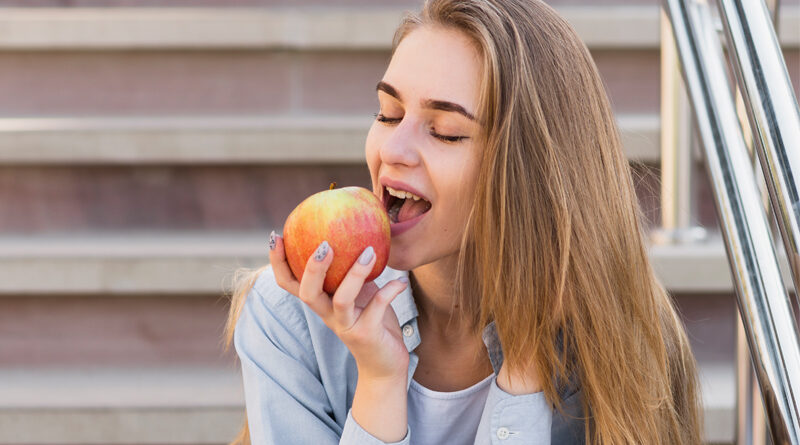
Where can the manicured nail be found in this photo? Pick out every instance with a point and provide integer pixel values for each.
(272, 240)
(322, 251)
(403, 279)
(366, 256)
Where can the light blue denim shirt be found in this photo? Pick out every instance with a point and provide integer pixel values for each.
(299, 379)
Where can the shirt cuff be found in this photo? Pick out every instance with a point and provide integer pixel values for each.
(353, 434)
(510, 420)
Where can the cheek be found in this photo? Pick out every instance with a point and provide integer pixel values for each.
(463, 180)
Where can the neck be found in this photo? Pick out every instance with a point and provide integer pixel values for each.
(451, 356)
(433, 288)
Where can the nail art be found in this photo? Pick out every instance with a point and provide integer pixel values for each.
(322, 251)
(272, 240)
(366, 256)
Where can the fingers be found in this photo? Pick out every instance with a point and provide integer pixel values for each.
(286, 279)
(283, 273)
(313, 277)
(350, 287)
(375, 310)
(338, 312)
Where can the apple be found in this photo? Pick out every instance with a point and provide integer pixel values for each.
(350, 219)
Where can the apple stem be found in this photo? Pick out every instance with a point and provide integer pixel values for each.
(333, 184)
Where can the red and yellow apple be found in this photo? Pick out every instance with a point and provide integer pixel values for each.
(350, 219)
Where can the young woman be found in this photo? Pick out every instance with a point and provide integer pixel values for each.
(519, 306)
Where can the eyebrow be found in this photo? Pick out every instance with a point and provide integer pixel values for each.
(427, 103)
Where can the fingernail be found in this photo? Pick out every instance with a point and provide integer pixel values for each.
(403, 279)
(322, 251)
(272, 240)
(366, 256)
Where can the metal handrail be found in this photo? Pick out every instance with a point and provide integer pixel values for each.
(762, 298)
(772, 111)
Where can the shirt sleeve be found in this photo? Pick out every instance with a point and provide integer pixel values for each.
(354, 434)
(514, 420)
(284, 396)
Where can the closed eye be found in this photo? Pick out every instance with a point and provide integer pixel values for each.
(447, 138)
(389, 120)
(393, 120)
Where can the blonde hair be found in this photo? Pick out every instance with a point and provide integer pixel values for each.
(243, 280)
(554, 250)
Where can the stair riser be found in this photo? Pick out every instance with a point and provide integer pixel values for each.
(63, 199)
(44, 331)
(239, 81)
(102, 330)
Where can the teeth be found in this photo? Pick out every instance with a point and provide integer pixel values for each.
(402, 194)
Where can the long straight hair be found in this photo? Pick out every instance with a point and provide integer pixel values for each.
(554, 250)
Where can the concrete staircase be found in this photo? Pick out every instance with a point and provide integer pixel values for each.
(146, 151)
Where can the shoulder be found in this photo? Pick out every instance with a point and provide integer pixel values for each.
(569, 422)
(271, 313)
(267, 292)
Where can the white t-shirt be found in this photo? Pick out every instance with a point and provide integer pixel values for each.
(446, 417)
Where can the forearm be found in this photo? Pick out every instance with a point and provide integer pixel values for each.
(380, 407)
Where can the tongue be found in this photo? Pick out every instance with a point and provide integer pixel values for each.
(412, 209)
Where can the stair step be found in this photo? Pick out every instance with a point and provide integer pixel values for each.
(112, 388)
(225, 139)
(126, 263)
(702, 266)
(203, 262)
(177, 405)
(610, 26)
(190, 405)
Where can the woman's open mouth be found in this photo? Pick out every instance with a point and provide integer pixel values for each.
(404, 208)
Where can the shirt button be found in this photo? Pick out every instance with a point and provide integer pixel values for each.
(408, 330)
(502, 433)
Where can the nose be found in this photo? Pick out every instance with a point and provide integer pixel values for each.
(402, 144)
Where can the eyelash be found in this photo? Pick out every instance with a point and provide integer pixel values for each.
(451, 139)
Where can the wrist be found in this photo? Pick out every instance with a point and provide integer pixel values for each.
(386, 376)
(380, 407)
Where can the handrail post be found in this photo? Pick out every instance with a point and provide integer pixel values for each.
(751, 425)
(677, 203)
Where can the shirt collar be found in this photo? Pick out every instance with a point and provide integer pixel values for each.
(406, 310)
(403, 305)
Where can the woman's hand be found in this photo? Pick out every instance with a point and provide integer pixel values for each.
(358, 313)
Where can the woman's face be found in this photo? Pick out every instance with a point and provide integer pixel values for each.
(423, 141)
